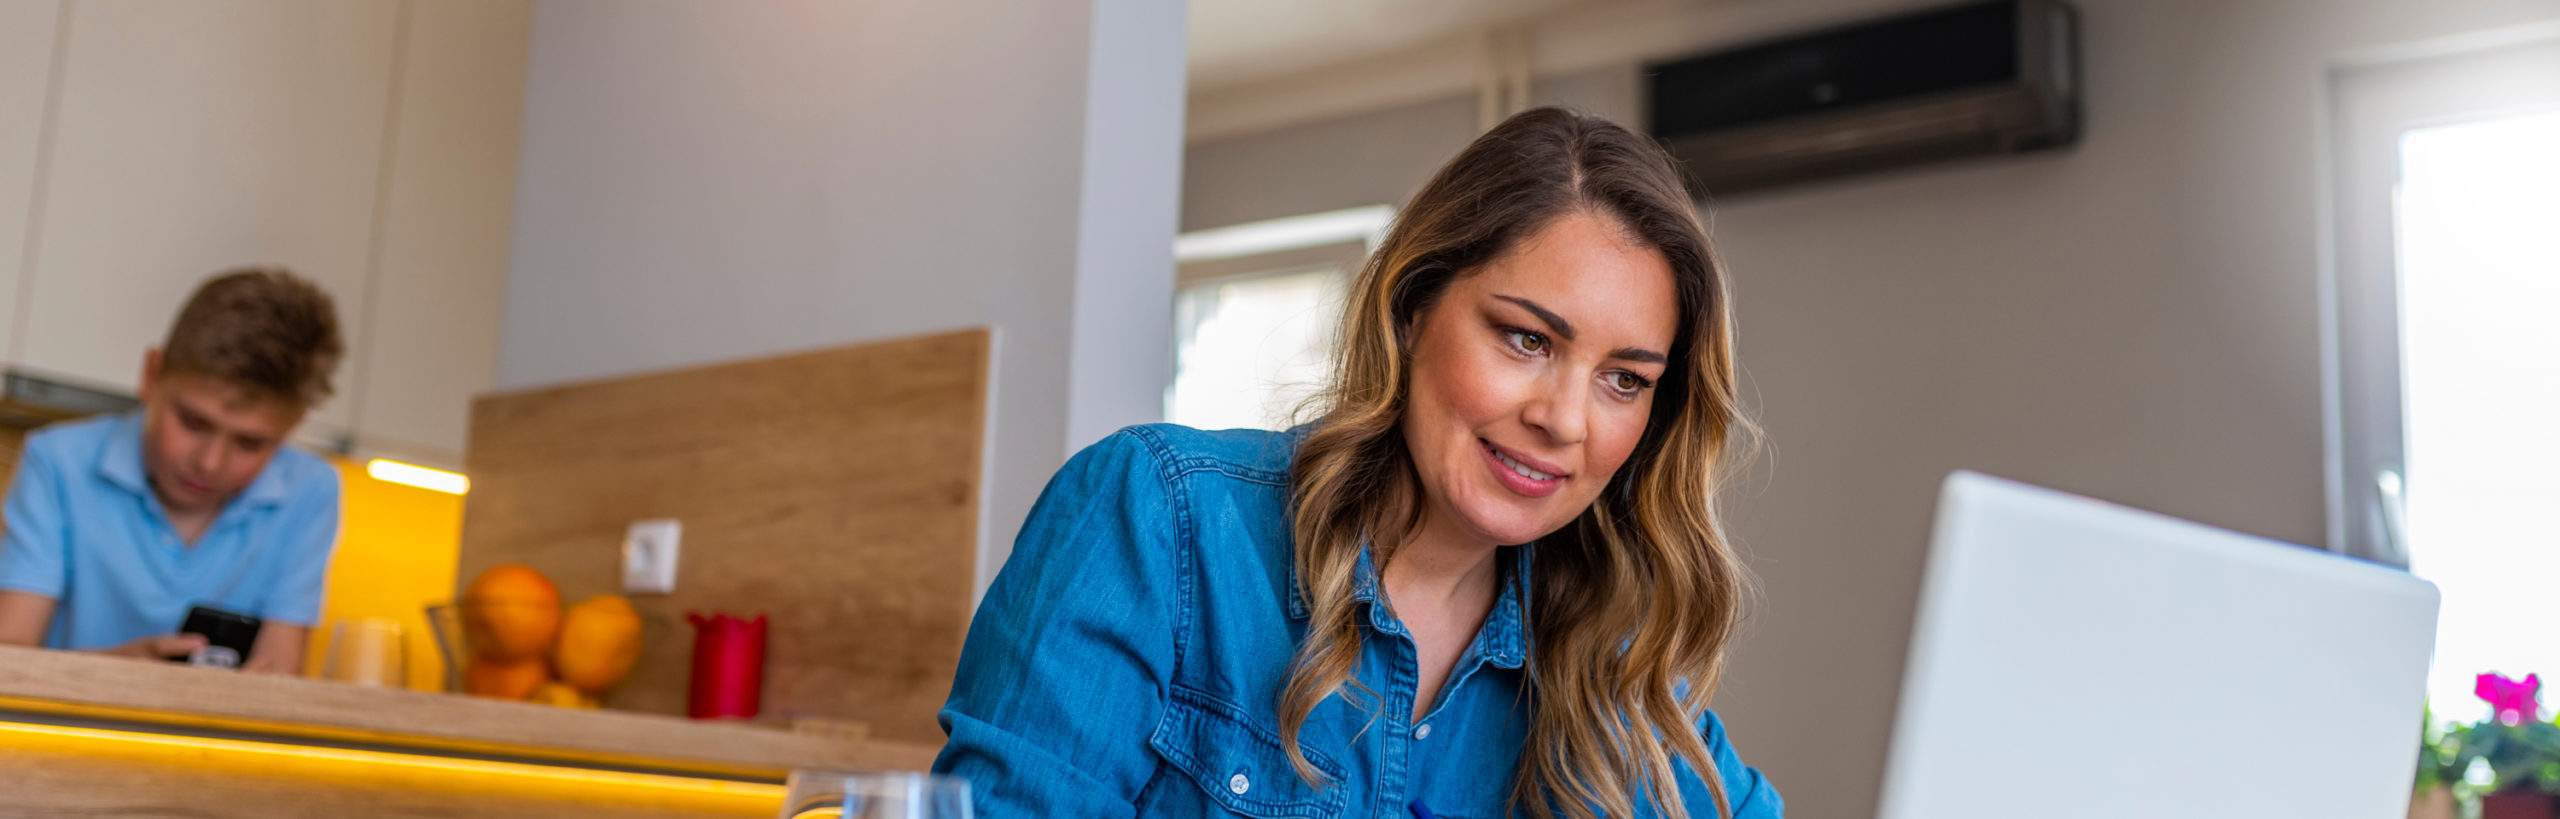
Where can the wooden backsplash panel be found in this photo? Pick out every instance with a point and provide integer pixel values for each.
(835, 491)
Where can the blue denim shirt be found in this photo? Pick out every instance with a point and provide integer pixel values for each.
(1129, 658)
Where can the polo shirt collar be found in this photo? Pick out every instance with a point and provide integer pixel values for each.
(269, 488)
(120, 462)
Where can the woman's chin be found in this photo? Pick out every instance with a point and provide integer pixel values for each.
(1509, 525)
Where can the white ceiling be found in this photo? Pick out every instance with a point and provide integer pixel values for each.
(1238, 41)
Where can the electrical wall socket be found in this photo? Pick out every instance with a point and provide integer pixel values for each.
(649, 556)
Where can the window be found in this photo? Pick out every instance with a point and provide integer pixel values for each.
(1254, 313)
(2480, 363)
(2448, 348)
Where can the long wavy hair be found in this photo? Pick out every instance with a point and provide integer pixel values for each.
(1636, 597)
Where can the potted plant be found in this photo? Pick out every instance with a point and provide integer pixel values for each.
(2516, 748)
(2440, 770)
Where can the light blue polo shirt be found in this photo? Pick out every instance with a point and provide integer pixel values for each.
(84, 528)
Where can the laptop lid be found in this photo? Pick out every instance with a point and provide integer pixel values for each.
(2074, 658)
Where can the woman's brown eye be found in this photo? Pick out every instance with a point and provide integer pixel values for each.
(1529, 341)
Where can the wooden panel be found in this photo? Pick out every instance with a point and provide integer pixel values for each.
(835, 491)
(192, 137)
(97, 687)
(449, 191)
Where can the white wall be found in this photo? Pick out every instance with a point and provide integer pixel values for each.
(2134, 318)
(711, 181)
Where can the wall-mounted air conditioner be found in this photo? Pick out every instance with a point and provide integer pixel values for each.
(1969, 80)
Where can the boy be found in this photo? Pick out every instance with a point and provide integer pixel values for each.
(117, 525)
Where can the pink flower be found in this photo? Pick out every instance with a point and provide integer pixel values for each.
(2514, 701)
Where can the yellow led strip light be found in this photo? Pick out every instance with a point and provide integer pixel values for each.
(376, 769)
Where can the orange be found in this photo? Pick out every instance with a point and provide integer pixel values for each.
(562, 696)
(511, 612)
(506, 679)
(599, 642)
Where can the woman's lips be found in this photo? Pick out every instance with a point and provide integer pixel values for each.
(1512, 479)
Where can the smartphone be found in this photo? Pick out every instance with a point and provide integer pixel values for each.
(227, 637)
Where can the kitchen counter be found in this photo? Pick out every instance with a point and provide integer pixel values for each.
(83, 733)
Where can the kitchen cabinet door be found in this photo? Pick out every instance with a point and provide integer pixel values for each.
(27, 30)
(192, 137)
(441, 286)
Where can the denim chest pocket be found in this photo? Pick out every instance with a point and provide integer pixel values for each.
(1237, 763)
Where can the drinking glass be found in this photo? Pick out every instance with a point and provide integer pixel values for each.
(444, 623)
(903, 795)
(366, 651)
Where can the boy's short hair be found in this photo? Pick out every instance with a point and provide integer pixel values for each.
(262, 328)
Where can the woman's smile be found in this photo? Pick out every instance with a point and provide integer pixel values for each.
(1522, 474)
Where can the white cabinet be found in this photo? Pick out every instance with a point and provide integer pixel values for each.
(27, 29)
(440, 284)
(369, 145)
(192, 137)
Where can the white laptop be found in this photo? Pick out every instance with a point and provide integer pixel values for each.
(2074, 658)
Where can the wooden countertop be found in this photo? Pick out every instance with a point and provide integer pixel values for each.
(173, 698)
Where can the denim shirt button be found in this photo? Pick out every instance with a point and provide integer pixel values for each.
(1238, 784)
(1422, 732)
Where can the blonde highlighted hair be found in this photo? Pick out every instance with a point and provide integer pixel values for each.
(1636, 597)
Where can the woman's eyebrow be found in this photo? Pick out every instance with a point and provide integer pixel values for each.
(1639, 354)
(1554, 322)
(1565, 329)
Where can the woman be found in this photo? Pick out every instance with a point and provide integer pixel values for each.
(1488, 579)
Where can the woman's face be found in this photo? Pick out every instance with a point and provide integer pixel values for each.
(1533, 378)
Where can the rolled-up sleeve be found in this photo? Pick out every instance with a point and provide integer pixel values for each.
(1069, 660)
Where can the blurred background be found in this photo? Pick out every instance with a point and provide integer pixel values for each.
(2281, 266)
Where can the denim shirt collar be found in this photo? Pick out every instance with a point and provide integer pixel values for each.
(120, 462)
(1504, 635)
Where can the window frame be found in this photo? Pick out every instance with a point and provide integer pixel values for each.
(2372, 105)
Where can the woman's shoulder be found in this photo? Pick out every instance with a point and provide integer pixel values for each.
(1259, 455)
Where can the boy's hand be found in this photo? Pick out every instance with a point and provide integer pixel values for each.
(159, 647)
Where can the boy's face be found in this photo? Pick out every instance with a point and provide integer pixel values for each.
(204, 438)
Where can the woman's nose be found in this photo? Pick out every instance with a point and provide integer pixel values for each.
(1558, 410)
